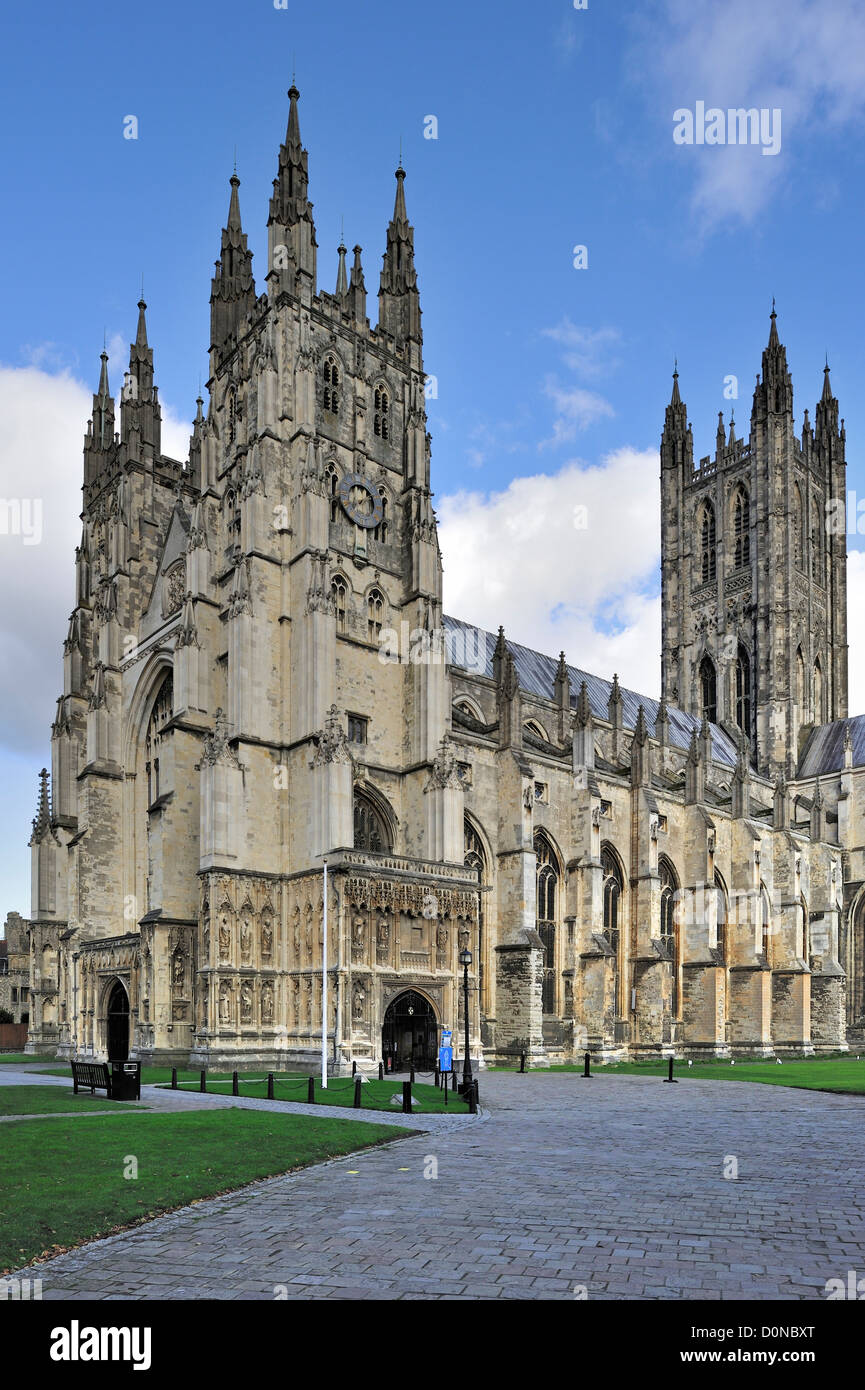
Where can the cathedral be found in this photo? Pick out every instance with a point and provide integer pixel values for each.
(258, 678)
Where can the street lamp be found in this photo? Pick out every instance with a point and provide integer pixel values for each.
(465, 962)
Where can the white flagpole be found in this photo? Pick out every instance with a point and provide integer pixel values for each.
(324, 989)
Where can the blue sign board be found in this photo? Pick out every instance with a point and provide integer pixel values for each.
(446, 1059)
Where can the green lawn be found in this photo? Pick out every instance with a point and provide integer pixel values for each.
(51, 1100)
(375, 1095)
(68, 1185)
(841, 1073)
(16, 1058)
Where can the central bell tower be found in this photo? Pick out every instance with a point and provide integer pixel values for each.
(754, 569)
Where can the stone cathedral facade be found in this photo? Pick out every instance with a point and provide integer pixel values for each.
(258, 674)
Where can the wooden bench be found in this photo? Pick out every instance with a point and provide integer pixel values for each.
(93, 1074)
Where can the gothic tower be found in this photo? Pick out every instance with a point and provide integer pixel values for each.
(753, 563)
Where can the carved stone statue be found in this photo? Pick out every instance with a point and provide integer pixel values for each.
(224, 938)
(266, 940)
(358, 1001)
(245, 939)
(267, 1003)
(246, 1002)
(225, 1002)
(178, 971)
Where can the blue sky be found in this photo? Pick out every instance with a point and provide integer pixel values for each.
(555, 129)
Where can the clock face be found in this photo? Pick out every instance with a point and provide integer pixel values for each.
(361, 501)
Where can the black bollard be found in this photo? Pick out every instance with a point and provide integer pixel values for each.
(357, 1089)
(587, 1065)
(670, 1077)
(235, 1089)
(310, 1091)
(437, 1076)
(445, 1087)
(411, 1074)
(381, 1071)
(202, 1085)
(473, 1099)
(174, 1078)
(354, 1068)
(406, 1097)
(270, 1085)
(522, 1061)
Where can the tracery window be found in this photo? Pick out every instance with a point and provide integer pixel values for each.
(381, 414)
(339, 590)
(370, 831)
(670, 926)
(375, 614)
(163, 708)
(708, 690)
(547, 884)
(707, 543)
(741, 528)
(613, 885)
(330, 396)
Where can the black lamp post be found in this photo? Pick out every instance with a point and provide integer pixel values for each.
(465, 962)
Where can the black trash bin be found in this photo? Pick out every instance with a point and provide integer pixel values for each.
(125, 1080)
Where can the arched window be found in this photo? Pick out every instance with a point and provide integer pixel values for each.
(370, 831)
(741, 528)
(800, 683)
(816, 541)
(381, 414)
(612, 879)
(708, 690)
(333, 490)
(707, 543)
(474, 856)
(743, 692)
(798, 519)
(339, 590)
(766, 925)
(375, 614)
(721, 915)
(547, 884)
(330, 396)
(670, 926)
(532, 727)
(475, 859)
(380, 531)
(163, 708)
(818, 692)
(232, 415)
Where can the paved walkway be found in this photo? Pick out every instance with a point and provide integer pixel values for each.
(613, 1186)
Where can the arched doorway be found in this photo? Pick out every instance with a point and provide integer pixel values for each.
(409, 1033)
(118, 1024)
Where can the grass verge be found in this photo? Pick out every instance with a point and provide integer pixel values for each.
(51, 1100)
(844, 1074)
(375, 1095)
(68, 1186)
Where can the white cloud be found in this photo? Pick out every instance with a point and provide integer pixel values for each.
(575, 408)
(587, 349)
(43, 418)
(517, 558)
(805, 57)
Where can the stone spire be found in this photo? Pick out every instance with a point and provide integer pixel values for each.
(641, 763)
(732, 438)
(695, 773)
(741, 785)
(720, 435)
(42, 819)
(583, 737)
(817, 818)
(357, 288)
(826, 416)
(140, 414)
(232, 289)
(399, 303)
(562, 695)
(499, 655)
(100, 429)
(774, 394)
(341, 275)
(677, 441)
(291, 230)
